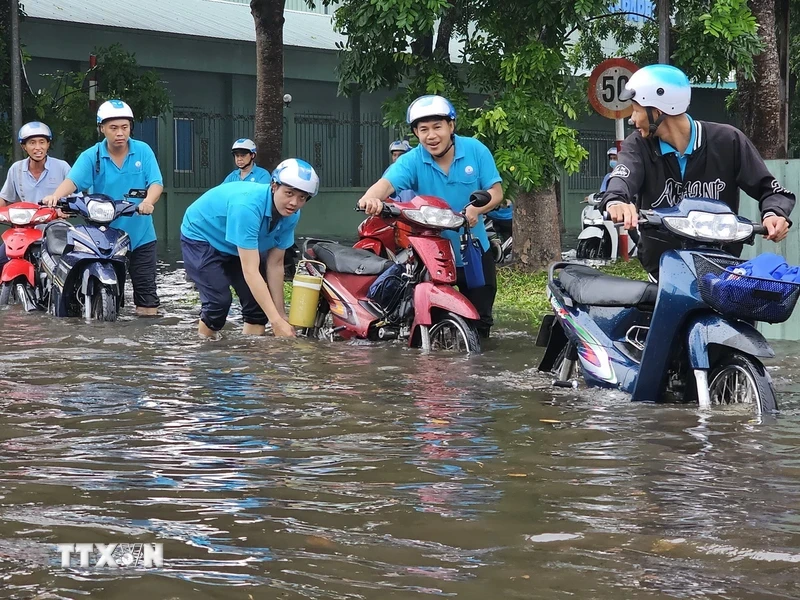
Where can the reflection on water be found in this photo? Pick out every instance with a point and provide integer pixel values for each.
(294, 469)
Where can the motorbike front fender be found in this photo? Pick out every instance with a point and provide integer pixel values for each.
(17, 267)
(428, 296)
(591, 232)
(711, 330)
(103, 272)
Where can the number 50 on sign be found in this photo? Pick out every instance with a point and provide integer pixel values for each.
(606, 84)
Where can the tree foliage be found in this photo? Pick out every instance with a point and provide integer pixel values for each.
(64, 104)
(708, 39)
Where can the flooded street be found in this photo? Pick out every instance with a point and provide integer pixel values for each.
(294, 469)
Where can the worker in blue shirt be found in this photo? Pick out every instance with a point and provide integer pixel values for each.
(113, 167)
(244, 155)
(450, 167)
(225, 232)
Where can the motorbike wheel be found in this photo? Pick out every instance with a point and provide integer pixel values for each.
(26, 297)
(588, 248)
(323, 325)
(451, 332)
(104, 304)
(5, 293)
(740, 379)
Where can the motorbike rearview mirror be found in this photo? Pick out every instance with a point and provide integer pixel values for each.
(480, 198)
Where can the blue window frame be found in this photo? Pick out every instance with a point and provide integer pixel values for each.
(147, 131)
(184, 145)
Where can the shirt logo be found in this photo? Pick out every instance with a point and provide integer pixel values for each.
(138, 164)
(675, 191)
(620, 171)
(469, 170)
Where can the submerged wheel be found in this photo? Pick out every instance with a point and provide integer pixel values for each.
(5, 293)
(323, 325)
(453, 333)
(26, 296)
(104, 304)
(741, 379)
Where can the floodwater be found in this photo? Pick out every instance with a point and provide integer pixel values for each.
(293, 469)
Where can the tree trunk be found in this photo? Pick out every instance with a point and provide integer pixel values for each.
(761, 104)
(268, 17)
(537, 235)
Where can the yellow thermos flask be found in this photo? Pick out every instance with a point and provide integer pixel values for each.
(305, 295)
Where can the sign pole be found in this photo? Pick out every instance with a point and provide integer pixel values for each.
(623, 233)
(606, 83)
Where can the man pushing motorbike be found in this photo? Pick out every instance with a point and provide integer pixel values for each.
(672, 156)
(450, 167)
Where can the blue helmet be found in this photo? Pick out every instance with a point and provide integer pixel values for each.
(429, 106)
(659, 86)
(297, 174)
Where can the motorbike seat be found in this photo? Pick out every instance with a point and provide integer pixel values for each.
(55, 236)
(355, 261)
(589, 286)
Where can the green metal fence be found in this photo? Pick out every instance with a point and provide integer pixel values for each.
(594, 168)
(345, 152)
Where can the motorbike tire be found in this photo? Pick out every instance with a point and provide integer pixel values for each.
(104, 304)
(737, 375)
(25, 296)
(588, 248)
(5, 293)
(465, 330)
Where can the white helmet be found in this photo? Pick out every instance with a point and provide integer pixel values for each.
(298, 174)
(612, 150)
(113, 109)
(244, 144)
(34, 129)
(429, 106)
(660, 86)
(399, 146)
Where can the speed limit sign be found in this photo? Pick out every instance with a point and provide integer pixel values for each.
(606, 84)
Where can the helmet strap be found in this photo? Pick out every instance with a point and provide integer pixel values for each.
(450, 145)
(249, 164)
(654, 123)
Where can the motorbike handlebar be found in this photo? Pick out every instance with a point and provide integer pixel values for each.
(759, 229)
(388, 210)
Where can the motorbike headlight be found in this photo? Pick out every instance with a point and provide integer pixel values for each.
(78, 246)
(709, 227)
(431, 216)
(101, 212)
(21, 216)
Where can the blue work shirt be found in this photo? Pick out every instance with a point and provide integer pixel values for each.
(504, 213)
(21, 186)
(473, 169)
(682, 158)
(238, 215)
(97, 172)
(258, 175)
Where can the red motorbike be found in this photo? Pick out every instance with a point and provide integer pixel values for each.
(415, 301)
(23, 243)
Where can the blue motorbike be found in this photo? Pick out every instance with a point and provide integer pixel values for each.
(692, 336)
(83, 267)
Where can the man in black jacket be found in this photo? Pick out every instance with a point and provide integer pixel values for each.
(716, 162)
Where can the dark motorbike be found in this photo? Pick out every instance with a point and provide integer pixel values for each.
(84, 266)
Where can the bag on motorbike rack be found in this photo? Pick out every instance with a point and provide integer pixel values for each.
(386, 289)
(472, 257)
